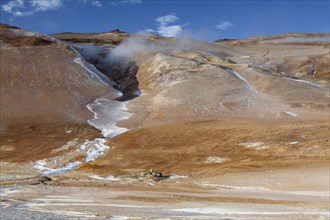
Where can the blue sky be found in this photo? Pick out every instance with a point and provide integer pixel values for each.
(205, 20)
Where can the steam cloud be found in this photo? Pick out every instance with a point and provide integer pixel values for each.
(118, 65)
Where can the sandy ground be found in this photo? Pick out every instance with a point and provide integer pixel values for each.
(172, 199)
(215, 147)
(231, 180)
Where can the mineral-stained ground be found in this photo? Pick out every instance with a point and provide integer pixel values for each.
(232, 129)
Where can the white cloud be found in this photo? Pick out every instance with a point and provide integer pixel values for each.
(166, 30)
(20, 14)
(165, 27)
(96, 4)
(11, 5)
(147, 31)
(132, 1)
(224, 25)
(43, 5)
(19, 8)
(167, 19)
(117, 2)
(169, 31)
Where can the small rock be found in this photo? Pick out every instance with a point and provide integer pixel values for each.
(45, 179)
(152, 174)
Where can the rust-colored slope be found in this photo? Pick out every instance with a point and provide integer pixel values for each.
(43, 95)
(188, 148)
(299, 55)
(42, 82)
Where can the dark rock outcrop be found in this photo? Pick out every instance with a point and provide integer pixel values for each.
(120, 70)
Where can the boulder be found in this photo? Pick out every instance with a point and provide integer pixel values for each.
(152, 174)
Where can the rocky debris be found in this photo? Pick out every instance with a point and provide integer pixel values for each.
(224, 39)
(117, 31)
(27, 41)
(24, 180)
(113, 37)
(152, 174)
(120, 70)
(45, 179)
(8, 26)
(17, 37)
